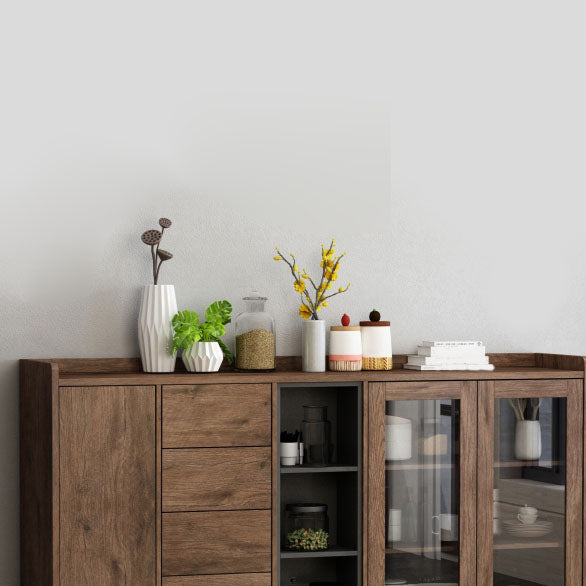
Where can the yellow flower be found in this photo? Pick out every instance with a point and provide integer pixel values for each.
(325, 303)
(341, 290)
(304, 311)
(299, 285)
(319, 308)
(294, 268)
(305, 275)
(329, 286)
(276, 258)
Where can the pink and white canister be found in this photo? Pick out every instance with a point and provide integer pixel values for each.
(345, 347)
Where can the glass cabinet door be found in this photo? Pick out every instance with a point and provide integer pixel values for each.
(529, 463)
(427, 438)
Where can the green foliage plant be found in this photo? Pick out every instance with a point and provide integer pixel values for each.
(187, 329)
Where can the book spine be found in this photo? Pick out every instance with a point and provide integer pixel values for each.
(451, 351)
(441, 360)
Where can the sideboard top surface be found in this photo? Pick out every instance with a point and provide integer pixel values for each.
(127, 371)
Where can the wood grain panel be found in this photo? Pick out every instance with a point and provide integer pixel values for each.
(216, 479)
(574, 459)
(485, 479)
(523, 388)
(376, 484)
(107, 486)
(468, 488)
(274, 485)
(39, 473)
(415, 391)
(216, 415)
(295, 376)
(219, 580)
(216, 542)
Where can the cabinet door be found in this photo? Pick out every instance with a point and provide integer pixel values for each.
(107, 486)
(529, 480)
(422, 483)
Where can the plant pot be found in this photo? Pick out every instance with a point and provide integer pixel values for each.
(528, 440)
(203, 357)
(313, 345)
(155, 333)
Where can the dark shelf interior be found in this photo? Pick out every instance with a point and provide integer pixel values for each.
(332, 552)
(339, 485)
(342, 570)
(316, 469)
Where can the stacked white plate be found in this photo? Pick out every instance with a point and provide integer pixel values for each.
(537, 529)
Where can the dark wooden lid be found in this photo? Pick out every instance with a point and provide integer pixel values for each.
(375, 323)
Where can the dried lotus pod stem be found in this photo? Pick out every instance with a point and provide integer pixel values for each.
(153, 239)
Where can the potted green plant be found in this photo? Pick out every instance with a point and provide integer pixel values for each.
(202, 348)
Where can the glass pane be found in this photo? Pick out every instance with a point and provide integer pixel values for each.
(422, 492)
(529, 491)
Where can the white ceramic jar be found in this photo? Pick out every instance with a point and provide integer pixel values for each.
(398, 438)
(377, 349)
(345, 348)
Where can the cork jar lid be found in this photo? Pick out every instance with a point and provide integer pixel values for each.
(368, 324)
(345, 328)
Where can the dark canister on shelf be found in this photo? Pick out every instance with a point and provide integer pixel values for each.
(316, 431)
(307, 526)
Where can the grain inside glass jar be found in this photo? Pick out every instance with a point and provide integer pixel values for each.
(255, 350)
(255, 336)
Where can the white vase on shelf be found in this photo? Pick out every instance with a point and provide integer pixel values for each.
(528, 440)
(155, 333)
(203, 357)
(313, 345)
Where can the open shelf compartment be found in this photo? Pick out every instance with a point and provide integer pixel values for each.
(339, 485)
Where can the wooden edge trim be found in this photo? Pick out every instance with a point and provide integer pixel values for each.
(582, 393)
(560, 361)
(69, 366)
(574, 488)
(468, 487)
(159, 481)
(485, 483)
(274, 485)
(376, 483)
(365, 507)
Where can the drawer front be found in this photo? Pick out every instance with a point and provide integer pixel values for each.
(216, 415)
(219, 580)
(217, 542)
(216, 479)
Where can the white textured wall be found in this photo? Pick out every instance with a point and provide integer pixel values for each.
(442, 143)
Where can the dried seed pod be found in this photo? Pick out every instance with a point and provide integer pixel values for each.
(151, 237)
(165, 222)
(164, 255)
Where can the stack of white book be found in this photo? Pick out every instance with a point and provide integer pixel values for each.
(450, 355)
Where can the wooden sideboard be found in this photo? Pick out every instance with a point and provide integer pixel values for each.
(174, 479)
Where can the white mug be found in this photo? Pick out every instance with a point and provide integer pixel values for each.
(527, 515)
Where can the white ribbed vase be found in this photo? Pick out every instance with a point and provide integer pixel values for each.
(157, 308)
(203, 357)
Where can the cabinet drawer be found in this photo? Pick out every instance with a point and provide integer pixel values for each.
(216, 415)
(216, 479)
(219, 580)
(216, 542)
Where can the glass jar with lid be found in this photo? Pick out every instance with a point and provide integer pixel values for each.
(307, 526)
(255, 336)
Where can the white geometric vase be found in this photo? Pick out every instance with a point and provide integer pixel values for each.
(203, 357)
(155, 333)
